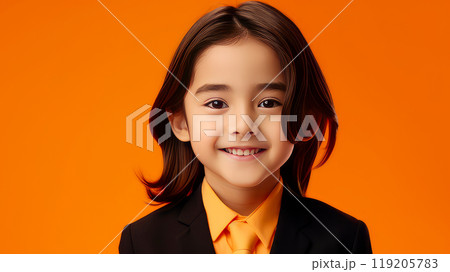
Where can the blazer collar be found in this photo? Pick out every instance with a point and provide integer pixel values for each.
(289, 238)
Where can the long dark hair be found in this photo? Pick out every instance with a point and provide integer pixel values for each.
(307, 93)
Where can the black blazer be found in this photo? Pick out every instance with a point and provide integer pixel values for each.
(183, 228)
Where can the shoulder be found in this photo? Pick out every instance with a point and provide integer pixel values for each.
(153, 232)
(328, 213)
(334, 225)
(166, 214)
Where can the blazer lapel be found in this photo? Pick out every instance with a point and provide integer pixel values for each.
(196, 237)
(289, 237)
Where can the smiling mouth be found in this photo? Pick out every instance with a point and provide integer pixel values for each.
(242, 152)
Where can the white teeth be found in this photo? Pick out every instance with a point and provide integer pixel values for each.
(241, 152)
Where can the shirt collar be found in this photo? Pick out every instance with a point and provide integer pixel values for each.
(263, 219)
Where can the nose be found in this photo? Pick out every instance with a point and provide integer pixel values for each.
(237, 124)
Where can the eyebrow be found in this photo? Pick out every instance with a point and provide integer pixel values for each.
(278, 86)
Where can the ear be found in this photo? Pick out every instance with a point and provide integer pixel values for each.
(179, 126)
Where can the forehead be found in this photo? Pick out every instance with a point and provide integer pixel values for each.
(247, 61)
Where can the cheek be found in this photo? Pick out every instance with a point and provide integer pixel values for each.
(280, 153)
(206, 150)
(206, 143)
(271, 131)
(203, 133)
(285, 149)
(281, 149)
(201, 142)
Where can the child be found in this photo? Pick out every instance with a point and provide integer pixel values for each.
(239, 186)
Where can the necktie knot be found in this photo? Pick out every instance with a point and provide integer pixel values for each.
(243, 238)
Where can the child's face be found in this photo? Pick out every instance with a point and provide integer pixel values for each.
(245, 67)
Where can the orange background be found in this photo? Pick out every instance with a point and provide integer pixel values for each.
(70, 74)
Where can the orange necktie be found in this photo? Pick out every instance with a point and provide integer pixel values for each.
(243, 238)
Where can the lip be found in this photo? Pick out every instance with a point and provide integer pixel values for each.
(243, 158)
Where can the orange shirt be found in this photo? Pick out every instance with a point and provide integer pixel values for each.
(263, 219)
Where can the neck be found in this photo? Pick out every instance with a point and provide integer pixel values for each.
(243, 200)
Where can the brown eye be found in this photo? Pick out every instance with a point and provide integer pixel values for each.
(270, 103)
(216, 104)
